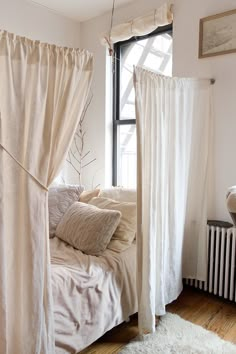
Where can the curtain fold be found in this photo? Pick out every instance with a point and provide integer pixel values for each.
(43, 89)
(173, 143)
(139, 26)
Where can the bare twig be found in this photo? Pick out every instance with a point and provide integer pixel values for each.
(73, 154)
(88, 163)
(85, 155)
(78, 155)
(69, 157)
(86, 108)
(74, 167)
(63, 179)
(77, 148)
(94, 179)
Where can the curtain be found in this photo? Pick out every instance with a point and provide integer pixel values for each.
(43, 89)
(173, 144)
(139, 26)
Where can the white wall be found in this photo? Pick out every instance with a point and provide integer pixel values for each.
(185, 63)
(24, 18)
(223, 69)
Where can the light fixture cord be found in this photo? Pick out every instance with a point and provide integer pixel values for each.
(112, 15)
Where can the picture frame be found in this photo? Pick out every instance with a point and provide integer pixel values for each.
(217, 34)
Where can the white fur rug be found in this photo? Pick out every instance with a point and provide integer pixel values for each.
(177, 336)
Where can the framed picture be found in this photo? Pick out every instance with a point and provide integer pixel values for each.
(217, 34)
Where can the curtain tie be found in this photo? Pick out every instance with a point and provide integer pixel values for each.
(27, 171)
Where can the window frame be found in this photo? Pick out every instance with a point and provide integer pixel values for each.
(116, 93)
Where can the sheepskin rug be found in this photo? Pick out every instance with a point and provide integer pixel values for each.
(177, 336)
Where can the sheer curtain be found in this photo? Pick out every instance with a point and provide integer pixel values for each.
(43, 89)
(173, 139)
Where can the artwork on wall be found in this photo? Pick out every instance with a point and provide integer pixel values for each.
(217, 34)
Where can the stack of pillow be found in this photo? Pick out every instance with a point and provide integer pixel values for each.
(92, 221)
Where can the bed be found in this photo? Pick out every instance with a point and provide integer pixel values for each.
(91, 294)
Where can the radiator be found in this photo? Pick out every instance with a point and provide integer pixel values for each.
(221, 275)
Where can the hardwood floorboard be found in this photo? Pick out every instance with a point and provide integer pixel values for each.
(231, 334)
(203, 309)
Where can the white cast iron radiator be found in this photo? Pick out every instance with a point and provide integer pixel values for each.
(221, 278)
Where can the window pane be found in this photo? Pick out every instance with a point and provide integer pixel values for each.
(126, 156)
(154, 53)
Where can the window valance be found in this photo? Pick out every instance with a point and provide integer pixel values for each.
(139, 26)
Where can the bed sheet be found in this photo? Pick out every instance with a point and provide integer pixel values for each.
(91, 294)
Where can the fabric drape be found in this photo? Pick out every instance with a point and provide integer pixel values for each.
(139, 26)
(43, 89)
(173, 143)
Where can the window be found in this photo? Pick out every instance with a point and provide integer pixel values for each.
(153, 52)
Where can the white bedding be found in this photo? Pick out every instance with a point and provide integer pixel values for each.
(91, 294)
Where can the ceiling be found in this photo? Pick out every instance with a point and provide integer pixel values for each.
(81, 10)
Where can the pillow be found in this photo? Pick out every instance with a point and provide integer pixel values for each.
(125, 232)
(88, 228)
(60, 199)
(87, 195)
(120, 194)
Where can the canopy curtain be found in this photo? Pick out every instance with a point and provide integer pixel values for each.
(139, 26)
(43, 89)
(173, 145)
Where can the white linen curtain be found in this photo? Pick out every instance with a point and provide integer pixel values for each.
(43, 89)
(173, 138)
(139, 26)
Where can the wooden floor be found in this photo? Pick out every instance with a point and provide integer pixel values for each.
(198, 307)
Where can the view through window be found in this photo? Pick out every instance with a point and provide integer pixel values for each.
(153, 52)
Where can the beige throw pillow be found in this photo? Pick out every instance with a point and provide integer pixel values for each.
(86, 196)
(119, 194)
(125, 232)
(88, 228)
(60, 198)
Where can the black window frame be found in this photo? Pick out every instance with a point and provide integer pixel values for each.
(116, 92)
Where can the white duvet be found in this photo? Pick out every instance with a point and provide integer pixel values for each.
(91, 294)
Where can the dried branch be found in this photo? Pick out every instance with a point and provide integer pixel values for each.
(98, 185)
(69, 157)
(85, 155)
(73, 154)
(78, 155)
(73, 167)
(86, 108)
(88, 163)
(77, 148)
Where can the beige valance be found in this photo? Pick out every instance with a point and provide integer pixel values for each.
(139, 26)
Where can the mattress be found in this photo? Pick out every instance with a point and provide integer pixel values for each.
(91, 294)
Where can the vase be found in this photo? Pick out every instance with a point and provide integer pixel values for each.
(231, 203)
